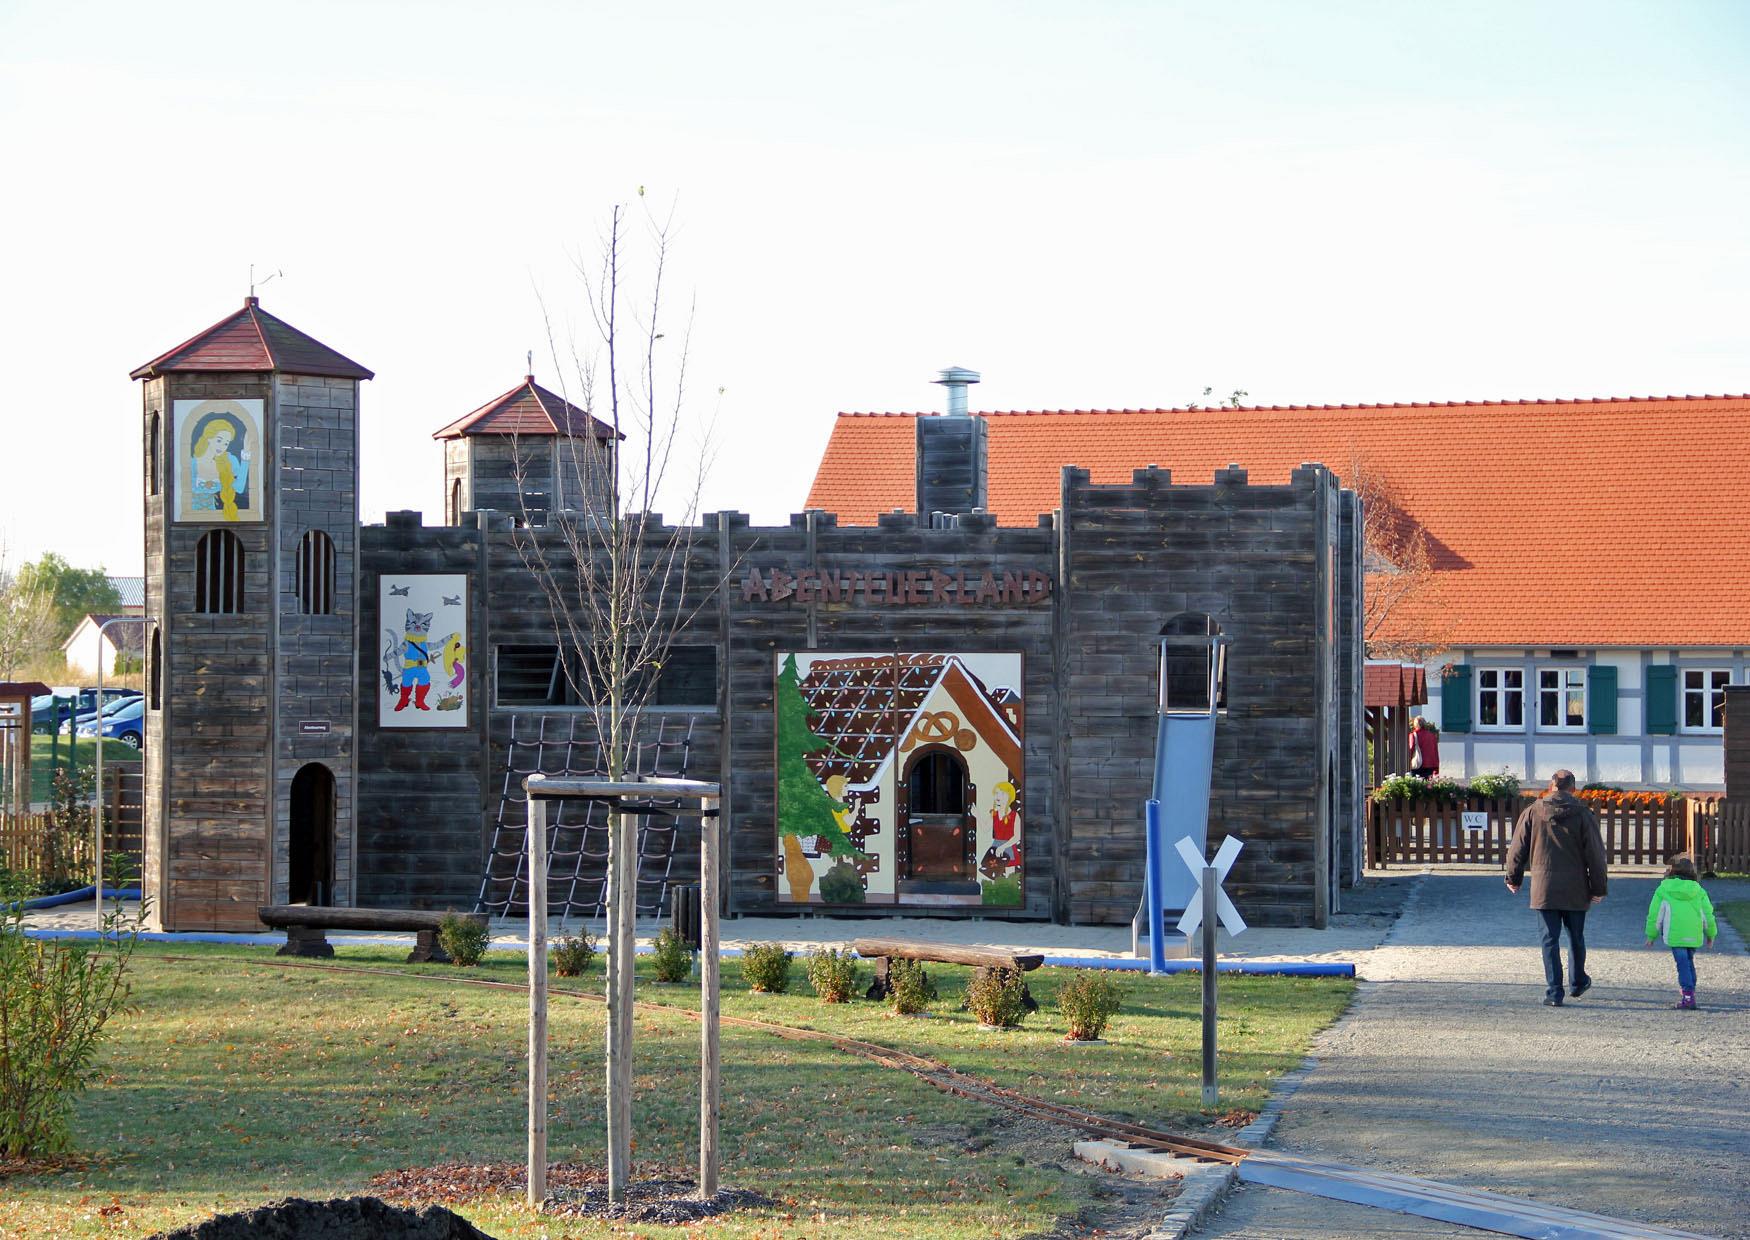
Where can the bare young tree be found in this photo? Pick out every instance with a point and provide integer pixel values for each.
(1402, 580)
(27, 618)
(616, 579)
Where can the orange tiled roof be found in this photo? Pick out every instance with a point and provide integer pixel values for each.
(1613, 522)
(527, 409)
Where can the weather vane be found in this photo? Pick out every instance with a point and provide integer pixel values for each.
(264, 279)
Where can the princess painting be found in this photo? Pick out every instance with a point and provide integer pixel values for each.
(217, 437)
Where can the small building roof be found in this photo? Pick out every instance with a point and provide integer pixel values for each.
(252, 339)
(1394, 684)
(527, 409)
(14, 689)
(130, 639)
(132, 591)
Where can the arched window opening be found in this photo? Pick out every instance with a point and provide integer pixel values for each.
(218, 574)
(153, 457)
(315, 574)
(938, 785)
(456, 502)
(154, 670)
(310, 838)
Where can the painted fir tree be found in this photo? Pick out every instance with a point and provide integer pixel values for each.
(804, 807)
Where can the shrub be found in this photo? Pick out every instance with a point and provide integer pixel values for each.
(1087, 1001)
(671, 956)
(1496, 787)
(57, 999)
(841, 885)
(463, 939)
(571, 956)
(766, 968)
(909, 988)
(833, 973)
(998, 997)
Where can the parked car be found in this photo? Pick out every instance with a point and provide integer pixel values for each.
(124, 722)
(113, 699)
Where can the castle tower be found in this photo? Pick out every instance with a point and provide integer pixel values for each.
(251, 448)
(526, 452)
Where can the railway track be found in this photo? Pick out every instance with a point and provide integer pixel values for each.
(948, 1079)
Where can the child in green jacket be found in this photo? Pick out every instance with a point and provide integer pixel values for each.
(1682, 914)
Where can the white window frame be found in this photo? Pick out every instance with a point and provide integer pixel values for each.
(1708, 692)
(1500, 692)
(1564, 670)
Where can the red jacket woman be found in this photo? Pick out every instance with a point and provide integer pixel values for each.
(1424, 749)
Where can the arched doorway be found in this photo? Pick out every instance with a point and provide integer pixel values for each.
(936, 804)
(310, 868)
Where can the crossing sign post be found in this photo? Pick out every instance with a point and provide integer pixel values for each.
(1204, 914)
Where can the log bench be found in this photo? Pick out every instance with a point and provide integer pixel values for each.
(983, 959)
(306, 927)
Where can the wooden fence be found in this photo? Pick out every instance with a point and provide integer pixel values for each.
(1720, 838)
(34, 845)
(1478, 831)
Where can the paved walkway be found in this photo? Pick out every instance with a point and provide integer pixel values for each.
(1448, 1067)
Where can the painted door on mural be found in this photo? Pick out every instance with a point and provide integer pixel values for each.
(899, 778)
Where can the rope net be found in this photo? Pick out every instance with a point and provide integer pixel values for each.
(577, 831)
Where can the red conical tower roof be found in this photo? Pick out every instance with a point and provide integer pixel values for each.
(252, 339)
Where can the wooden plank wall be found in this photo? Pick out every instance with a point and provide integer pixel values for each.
(1254, 558)
(1737, 742)
(214, 819)
(420, 790)
(317, 490)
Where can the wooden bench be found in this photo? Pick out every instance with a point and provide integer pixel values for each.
(306, 927)
(984, 959)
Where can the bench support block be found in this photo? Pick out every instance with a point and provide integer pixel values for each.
(306, 941)
(427, 949)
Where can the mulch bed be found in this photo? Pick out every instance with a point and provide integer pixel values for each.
(657, 1195)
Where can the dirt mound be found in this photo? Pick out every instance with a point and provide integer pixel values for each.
(343, 1218)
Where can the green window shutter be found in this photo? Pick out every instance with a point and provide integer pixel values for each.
(1455, 698)
(1601, 701)
(1662, 700)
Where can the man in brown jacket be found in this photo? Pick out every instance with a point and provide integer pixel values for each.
(1557, 839)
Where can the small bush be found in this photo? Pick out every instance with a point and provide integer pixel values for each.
(841, 885)
(571, 956)
(58, 998)
(997, 997)
(1440, 789)
(671, 956)
(1496, 787)
(766, 968)
(909, 988)
(1087, 1001)
(463, 939)
(833, 973)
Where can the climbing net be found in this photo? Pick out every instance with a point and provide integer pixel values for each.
(577, 831)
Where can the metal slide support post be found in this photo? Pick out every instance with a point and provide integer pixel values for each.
(1156, 879)
(1211, 885)
(537, 841)
(710, 1068)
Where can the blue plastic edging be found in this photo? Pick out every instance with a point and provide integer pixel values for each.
(78, 894)
(1256, 968)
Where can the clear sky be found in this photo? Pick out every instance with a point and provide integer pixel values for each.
(1094, 204)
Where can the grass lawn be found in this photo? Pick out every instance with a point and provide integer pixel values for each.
(233, 1085)
(1738, 913)
(85, 751)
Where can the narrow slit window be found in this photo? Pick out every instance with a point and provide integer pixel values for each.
(153, 457)
(218, 574)
(315, 574)
(154, 670)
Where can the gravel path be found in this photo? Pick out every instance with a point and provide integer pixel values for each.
(1449, 1067)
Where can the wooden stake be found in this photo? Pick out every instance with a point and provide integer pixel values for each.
(537, 839)
(622, 949)
(710, 1069)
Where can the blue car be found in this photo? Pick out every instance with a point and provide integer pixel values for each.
(123, 721)
(46, 712)
(113, 700)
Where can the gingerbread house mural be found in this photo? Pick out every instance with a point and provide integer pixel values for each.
(900, 779)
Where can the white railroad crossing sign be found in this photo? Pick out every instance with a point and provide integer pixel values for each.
(1231, 921)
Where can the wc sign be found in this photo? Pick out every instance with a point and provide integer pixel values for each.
(1474, 820)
